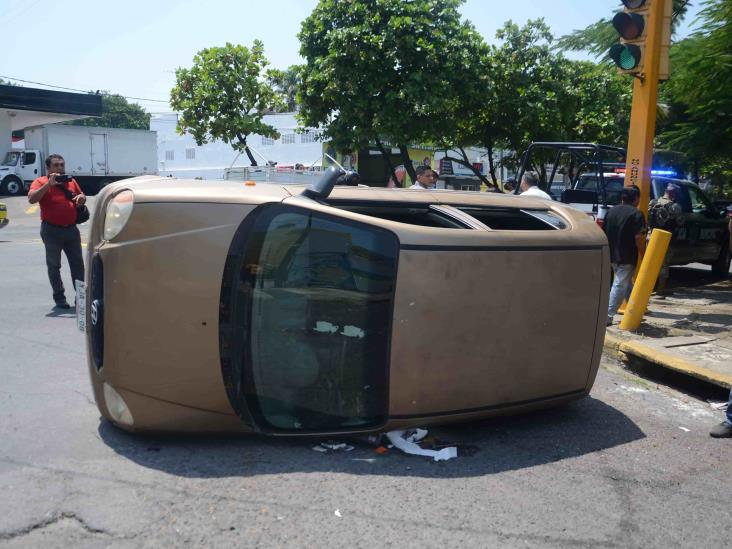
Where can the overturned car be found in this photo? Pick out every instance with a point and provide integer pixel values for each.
(283, 309)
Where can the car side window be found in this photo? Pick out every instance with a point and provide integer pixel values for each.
(699, 202)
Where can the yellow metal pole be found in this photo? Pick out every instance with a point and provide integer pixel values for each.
(647, 275)
(643, 113)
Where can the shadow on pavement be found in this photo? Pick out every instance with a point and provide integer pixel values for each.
(500, 444)
(61, 313)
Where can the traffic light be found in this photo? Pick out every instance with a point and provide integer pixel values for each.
(631, 25)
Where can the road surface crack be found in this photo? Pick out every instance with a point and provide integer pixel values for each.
(45, 523)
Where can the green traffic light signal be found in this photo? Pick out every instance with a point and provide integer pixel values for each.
(626, 56)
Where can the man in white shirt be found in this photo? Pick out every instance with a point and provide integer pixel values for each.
(530, 186)
(426, 178)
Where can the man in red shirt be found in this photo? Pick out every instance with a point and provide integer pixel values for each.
(58, 224)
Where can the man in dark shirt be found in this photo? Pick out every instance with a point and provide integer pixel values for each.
(58, 224)
(625, 228)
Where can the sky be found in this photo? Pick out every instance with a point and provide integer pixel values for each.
(133, 47)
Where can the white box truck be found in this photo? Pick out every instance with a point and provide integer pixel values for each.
(94, 156)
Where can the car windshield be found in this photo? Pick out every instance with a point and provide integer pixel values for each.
(11, 159)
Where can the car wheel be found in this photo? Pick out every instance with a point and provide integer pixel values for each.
(12, 185)
(721, 265)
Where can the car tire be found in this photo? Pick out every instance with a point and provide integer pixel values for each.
(12, 185)
(721, 265)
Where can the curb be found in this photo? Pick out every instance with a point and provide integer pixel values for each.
(621, 349)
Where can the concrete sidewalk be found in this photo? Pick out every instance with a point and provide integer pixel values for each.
(689, 332)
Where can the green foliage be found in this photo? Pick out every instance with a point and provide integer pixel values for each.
(286, 83)
(225, 95)
(536, 94)
(700, 87)
(599, 99)
(384, 70)
(117, 112)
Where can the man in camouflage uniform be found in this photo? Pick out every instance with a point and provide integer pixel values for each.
(666, 214)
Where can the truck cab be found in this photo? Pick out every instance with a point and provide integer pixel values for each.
(18, 170)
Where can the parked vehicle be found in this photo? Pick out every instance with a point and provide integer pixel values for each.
(593, 177)
(94, 156)
(4, 220)
(285, 309)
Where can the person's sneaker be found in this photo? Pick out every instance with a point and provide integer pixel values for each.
(609, 322)
(63, 305)
(723, 430)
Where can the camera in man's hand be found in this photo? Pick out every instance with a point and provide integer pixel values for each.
(63, 178)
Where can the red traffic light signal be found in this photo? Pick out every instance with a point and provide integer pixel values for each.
(629, 25)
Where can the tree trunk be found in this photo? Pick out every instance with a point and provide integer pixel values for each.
(465, 161)
(243, 141)
(491, 163)
(387, 159)
(404, 152)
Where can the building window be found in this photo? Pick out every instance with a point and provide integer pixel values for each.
(190, 154)
(288, 139)
(308, 137)
(169, 155)
(267, 141)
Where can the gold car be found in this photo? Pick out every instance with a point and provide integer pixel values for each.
(4, 220)
(284, 309)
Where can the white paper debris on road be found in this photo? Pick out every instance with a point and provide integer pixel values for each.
(331, 446)
(398, 439)
(338, 513)
(684, 429)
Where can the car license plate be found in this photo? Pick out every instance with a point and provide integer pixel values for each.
(81, 305)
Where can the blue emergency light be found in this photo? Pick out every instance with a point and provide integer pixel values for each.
(670, 173)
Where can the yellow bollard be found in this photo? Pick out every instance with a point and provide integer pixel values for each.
(647, 275)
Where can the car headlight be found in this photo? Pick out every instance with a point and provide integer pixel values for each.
(118, 212)
(116, 406)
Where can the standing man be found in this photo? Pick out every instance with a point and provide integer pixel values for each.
(666, 214)
(625, 229)
(724, 429)
(58, 224)
(530, 186)
(426, 178)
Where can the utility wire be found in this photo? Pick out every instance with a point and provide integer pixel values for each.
(77, 90)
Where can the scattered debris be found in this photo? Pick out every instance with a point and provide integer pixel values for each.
(717, 405)
(684, 429)
(338, 513)
(332, 446)
(381, 450)
(401, 440)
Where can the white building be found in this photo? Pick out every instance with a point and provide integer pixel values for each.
(179, 156)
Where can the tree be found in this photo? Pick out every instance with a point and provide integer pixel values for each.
(117, 112)
(225, 95)
(286, 83)
(599, 99)
(526, 99)
(699, 92)
(382, 71)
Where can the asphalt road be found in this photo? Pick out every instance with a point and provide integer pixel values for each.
(630, 466)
